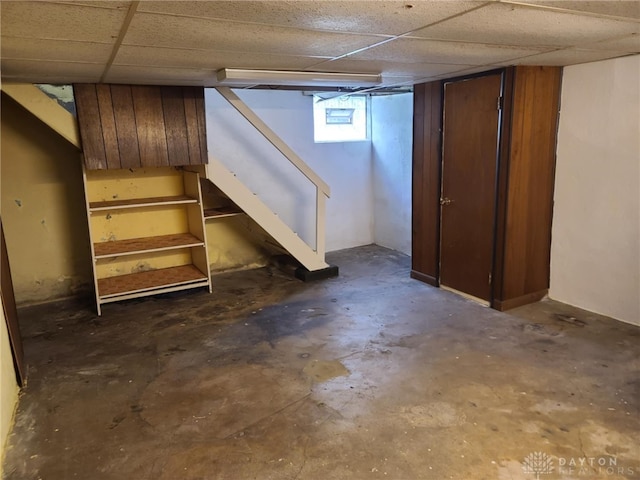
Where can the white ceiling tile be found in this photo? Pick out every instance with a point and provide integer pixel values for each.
(630, 44)
(60, 21)
(381, 17)
(569, 57)
(112, 4)
(186, 32)
(616, 8)
(71, 40)
(52, 79)
(505, 24)
(467, 71)
(44, 69)
(159, 76)
(209, 59)
(413, 50)
(388, 68)
(57, 50)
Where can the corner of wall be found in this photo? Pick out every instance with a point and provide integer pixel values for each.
(43, 209)
(8, 387)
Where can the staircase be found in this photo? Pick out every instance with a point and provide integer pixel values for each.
(311, 258)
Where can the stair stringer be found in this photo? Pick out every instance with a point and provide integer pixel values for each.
(233, 188)
(46, 109)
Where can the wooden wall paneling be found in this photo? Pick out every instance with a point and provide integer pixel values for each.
(202, 125)
(124, 126)
(193, 129)
(503, 174)
(152, 138)
(126, 129)
(526, 172)
(426, 182)
(91, 132)
(108, 123)
(175, 125)
(530, 185)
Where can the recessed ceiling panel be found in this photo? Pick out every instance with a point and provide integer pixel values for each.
(467, 71)
(189, 41)
(569, 57)
(196, 33)
(616, 8)
(112, 4)
(388, 68)
(504, 24)
(413, 50)
(59, 50)
(68, 71)
(159, 76)
(630, 43)
(381, 17)
(209, 59)
(60, 21)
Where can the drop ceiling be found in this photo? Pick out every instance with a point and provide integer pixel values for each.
(408, 42)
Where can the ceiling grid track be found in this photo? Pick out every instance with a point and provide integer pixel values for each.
(123, 31)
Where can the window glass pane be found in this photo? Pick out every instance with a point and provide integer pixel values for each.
(341, 119)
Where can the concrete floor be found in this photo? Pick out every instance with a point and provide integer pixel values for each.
(368, 375)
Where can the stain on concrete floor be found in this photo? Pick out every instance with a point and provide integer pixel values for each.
(323, 370)
(368, 375)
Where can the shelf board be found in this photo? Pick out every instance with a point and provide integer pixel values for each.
(219, 212)
(134, 246)
(141, 202)
(144, 283)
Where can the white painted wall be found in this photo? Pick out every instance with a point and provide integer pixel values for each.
(595, 248)
(391, 135)
(345, 167)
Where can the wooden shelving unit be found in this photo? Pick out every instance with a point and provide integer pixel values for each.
(172, 257)
(165, 279)
(134, 246)
(141, 202)
(221, 212)
(216, 205)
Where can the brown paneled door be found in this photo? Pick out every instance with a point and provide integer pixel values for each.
(468, 197)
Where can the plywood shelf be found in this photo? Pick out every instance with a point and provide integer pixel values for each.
(134, 246)
(220, 212)
(141, 202)
(147, 283)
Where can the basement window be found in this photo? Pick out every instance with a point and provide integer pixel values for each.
(341, 119)
(341, 116)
